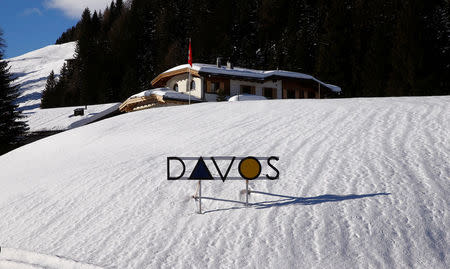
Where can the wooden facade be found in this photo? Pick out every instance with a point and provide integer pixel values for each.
(299, 89)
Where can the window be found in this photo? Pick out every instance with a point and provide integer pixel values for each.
(192, 85)
(246, 89)
(175, 87)
(290, 94)
(269, 93)
(214, 87)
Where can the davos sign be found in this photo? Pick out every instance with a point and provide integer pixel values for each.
(222, 168)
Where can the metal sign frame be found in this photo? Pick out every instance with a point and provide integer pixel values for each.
(249, 168)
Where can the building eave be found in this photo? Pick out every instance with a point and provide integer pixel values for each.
(162, 78)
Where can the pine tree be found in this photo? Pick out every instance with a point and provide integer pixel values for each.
(12, 129)
(48, 94)
(368, 48)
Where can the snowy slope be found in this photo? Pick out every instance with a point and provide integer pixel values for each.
(61, 118)
(364, 184)
(32, 69)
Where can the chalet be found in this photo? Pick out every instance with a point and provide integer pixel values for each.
(207, 79)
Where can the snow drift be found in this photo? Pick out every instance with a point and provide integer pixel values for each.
(363, 183)
(246, 97)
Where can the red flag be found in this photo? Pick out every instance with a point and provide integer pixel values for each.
(190, 54)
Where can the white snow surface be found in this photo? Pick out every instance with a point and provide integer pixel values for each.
(258, 74)
(164, 92)
(364, 183)
(15, 258)
(61, 118)
(32, 69)
(246, 97)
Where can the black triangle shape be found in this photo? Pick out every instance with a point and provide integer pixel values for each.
(201, 171)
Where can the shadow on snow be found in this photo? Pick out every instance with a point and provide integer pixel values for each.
(285, 200)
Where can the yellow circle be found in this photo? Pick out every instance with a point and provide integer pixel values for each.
(249, 168)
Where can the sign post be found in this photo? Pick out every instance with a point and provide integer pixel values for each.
(199, 196)
(246, 192)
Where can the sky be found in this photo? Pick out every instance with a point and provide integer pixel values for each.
(32, 24)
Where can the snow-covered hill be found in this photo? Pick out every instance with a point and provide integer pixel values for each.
(32, 69)
(62, 118)
(364, 183)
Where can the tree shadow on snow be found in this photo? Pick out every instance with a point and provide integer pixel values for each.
(286, 200)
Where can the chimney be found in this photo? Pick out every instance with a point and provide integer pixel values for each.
(229, 64)
(219, 65)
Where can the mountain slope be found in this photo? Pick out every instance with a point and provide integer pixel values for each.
(32, 69)
(363, 183)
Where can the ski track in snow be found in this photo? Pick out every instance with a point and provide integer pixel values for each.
(364, 184)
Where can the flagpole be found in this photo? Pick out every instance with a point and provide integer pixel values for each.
(190, 66)
(189, 83)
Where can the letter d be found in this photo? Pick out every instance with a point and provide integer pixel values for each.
(168, 168)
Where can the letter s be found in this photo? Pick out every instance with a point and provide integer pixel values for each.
(273, 167)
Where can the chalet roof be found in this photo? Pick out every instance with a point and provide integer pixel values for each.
(155, 97)
(166, 93)
(200, 69)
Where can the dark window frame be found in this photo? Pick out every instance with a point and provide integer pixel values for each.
(244, 88)
(290, 94)
(213, 90)
(266, 90)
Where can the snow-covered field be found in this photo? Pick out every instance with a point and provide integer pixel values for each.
(61, 118)
(32, 69)
(364, 183)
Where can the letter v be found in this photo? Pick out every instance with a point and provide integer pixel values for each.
(223, 177)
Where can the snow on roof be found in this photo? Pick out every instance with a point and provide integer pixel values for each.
(61, 118)
(165, 92)
(252, 73)
(246, 97)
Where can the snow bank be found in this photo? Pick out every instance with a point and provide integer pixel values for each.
(246, 97)
(166, 92)
(32, 69)
(61, 118)
(15, 258)
(364, 183)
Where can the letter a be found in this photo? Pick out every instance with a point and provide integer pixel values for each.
(201, 171)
